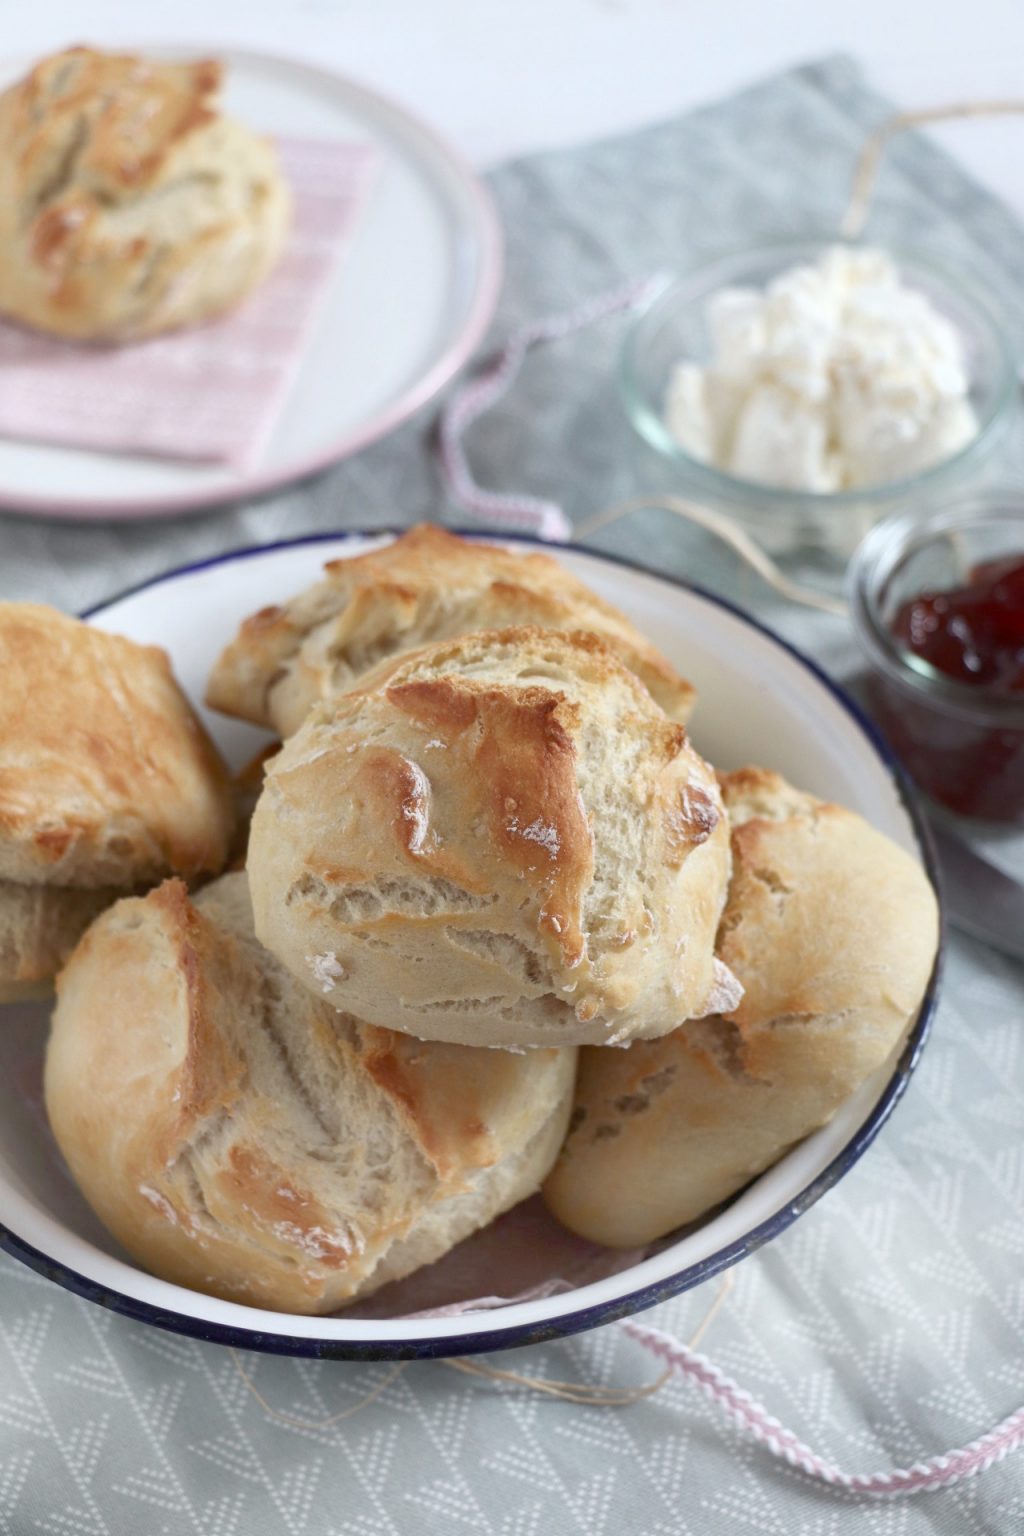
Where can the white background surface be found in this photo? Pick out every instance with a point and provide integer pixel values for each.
(500, 77)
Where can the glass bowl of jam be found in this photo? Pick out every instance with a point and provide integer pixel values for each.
(938, 602)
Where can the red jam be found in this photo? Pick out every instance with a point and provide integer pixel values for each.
(973, 634)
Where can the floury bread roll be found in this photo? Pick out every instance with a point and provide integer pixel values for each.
(832, 930)
(426, 586)
(241, 1137)
(499, 840)
(128, 204)
(108, 782)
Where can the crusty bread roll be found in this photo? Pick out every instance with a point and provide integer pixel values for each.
(498, 840)
(241, 1137)
(246, 788)
(107, 782)
(128, 205)
(106, 774)
(832, 929)
(39, 927)
(426, 586)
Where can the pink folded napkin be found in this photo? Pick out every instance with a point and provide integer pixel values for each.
(213, 393)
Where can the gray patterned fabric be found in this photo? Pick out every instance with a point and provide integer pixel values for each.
(888, 1324)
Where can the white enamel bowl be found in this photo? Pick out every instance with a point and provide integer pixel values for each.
(760, 702)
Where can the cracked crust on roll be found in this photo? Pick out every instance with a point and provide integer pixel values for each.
(128, 204)
(832, 930)
(241, 1137)
(107, 777)
(500, 840)
(428, 585)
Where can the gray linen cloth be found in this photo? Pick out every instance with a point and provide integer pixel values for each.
(888, 1323)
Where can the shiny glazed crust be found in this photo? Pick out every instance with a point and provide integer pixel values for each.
(499, 840)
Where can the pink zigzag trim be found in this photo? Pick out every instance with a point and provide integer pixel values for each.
(923, 1477)
(532, 514)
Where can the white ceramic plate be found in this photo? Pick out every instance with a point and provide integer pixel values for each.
(760, 702)
(411, 298)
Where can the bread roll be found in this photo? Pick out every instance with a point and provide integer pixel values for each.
(108, 782)
(498, 840)
(426, 586)
(39, 927)
(246, 788)
(832, 930)
(241, 1137)
(128, 205)
(106, 775)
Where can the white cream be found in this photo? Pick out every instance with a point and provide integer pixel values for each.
(835, 376)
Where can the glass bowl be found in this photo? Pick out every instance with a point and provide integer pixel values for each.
(673, 328)
(962, 743)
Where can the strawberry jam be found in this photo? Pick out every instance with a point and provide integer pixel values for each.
(965, 745)
(975, 633)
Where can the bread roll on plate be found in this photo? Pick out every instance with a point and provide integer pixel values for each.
(426, 586)
(241, 1137)
(832, 930)
(498, 840)
(108, 782)
(128, 204)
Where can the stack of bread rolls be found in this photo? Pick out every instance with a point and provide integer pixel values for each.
(500, 927)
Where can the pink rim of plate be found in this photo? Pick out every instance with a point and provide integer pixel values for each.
(444, 368)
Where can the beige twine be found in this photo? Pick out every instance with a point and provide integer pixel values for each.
(877, 142)
(748, 549)
(585, 1393)
(346, 1413)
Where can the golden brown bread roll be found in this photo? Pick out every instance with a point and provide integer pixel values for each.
(128, 204)
(243, 1138)
(39, 927)
(426, 586)
(108, 782)
(832, 930)
(498, 840)
(246, 788)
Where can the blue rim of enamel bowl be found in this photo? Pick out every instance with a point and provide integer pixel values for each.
(598, 1314)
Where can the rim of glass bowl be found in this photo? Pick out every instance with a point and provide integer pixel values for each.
(874, 561)
(649, 424)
